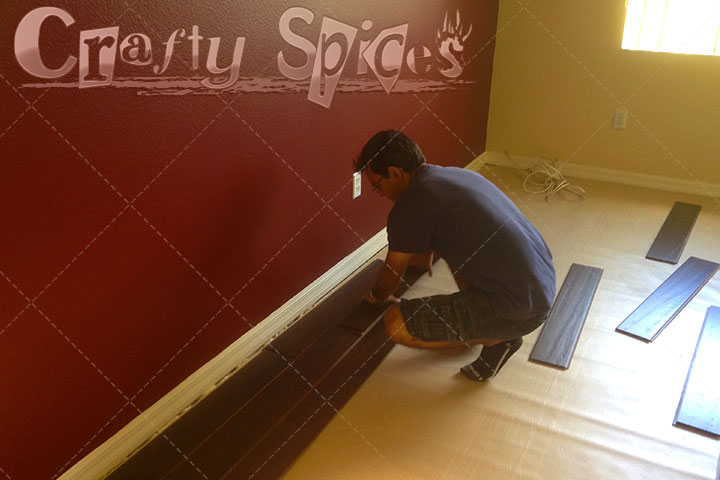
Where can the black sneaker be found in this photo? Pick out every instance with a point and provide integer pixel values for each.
(491, 360)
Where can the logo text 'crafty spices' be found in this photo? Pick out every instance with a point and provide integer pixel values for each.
(324, 60)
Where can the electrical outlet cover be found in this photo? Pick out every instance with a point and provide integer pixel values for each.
(620, 119)
(357, 184)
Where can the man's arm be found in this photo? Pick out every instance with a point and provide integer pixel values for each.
(424, 260)
(389, 278)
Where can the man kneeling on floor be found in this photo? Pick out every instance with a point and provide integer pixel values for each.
(499, 260)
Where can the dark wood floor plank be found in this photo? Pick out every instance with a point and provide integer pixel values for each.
(658, 310)
(561, 331)
(274, 454)
(699, 406)
(361, 315)
(326, 313)
(315, 411)
(271, 457)
(241, 432)
(238, 416)
(159, 456)
(674, 233)
(153, 461)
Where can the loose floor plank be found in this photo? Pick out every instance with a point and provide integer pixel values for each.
(673, 235)
(561, 331)
(699, 406)
(657, 311)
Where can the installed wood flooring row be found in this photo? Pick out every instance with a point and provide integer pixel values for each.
(262, 418)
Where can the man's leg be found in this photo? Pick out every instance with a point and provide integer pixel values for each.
(456, 320)
(395, 326)
(494, 355)
(491, 360)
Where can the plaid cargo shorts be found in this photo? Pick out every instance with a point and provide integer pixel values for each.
(463, 316)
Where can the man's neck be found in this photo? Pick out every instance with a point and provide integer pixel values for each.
(418, 169)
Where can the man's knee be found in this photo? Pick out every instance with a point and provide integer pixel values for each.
(395, 326)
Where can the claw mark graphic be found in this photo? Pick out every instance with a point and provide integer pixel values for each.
(451, 43)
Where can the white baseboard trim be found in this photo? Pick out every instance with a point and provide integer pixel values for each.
(162, 413)
(607, 175)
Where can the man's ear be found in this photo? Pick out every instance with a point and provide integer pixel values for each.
(395, 172)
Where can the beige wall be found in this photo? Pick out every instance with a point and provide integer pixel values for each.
(559, 75)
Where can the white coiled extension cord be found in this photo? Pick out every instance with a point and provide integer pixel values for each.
(544, 176)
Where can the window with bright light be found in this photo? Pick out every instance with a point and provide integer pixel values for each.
(675, 26)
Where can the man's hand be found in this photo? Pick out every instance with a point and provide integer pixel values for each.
(389, 277)
(370, 298)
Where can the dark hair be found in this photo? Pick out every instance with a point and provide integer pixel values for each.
(390, 148)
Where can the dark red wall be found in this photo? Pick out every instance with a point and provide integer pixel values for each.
(130, 220)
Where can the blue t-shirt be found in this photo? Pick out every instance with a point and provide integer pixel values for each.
(480, 233)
